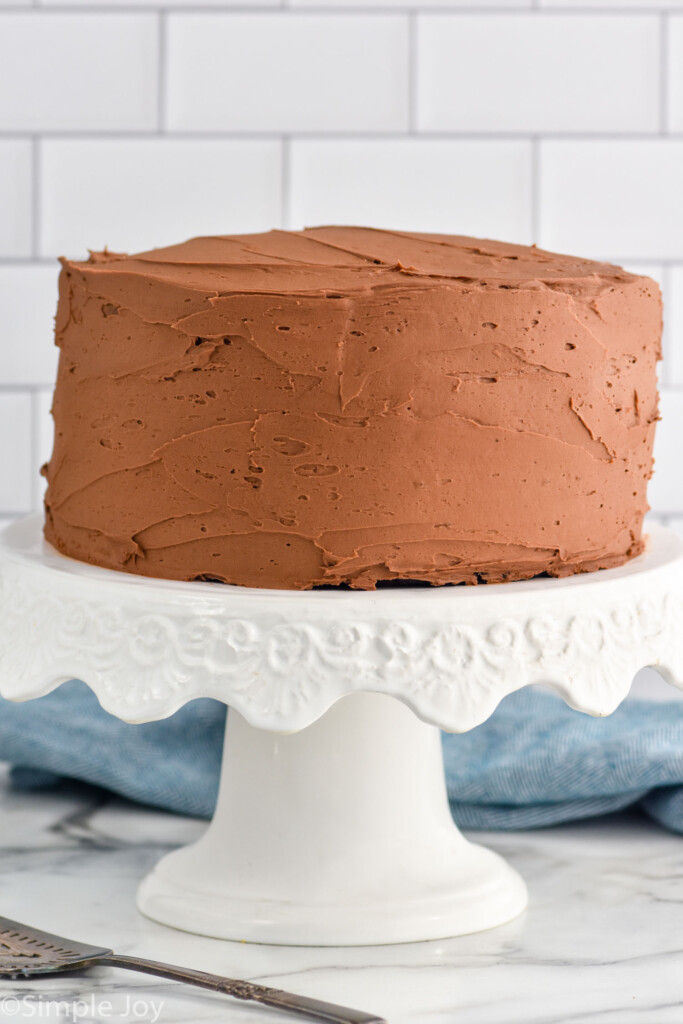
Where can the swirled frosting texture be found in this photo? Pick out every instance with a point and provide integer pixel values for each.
(346, 405)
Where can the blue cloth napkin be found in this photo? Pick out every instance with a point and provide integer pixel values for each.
(535, 762)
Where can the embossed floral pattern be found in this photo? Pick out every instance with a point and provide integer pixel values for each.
(145, 654)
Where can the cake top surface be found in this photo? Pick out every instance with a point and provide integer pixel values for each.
(352, 259)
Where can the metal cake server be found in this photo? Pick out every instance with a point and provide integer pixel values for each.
(25, 952)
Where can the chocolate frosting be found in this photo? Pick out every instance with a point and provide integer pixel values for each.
(347, 405)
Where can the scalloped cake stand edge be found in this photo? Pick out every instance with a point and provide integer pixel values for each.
(332, 825)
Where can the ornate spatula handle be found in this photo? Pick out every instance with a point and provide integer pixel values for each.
(314, 1009)
(26, 951)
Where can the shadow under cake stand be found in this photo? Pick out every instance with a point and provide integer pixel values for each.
(332, 825)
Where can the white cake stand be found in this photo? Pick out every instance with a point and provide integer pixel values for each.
(332, 825)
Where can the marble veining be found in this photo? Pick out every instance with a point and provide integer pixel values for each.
(600, 944)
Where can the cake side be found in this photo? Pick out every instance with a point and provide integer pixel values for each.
(345, 405)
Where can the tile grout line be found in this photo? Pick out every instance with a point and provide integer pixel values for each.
(342, 135)
(663, 73)
(668, 377)
(21, 389)
(275, 6)
(535, 189)
(285, 182)
(36, 209)
(412, 72)
(35, 449)
(161, 73)
(27, 261)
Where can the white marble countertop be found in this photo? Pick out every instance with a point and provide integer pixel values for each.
(602, 941)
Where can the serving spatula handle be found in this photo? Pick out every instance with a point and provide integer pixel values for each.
(313, 1009)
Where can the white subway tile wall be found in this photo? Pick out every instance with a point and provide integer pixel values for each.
(286, 72)
(674, 61)
(618, 196)
(17, 457)
(136, 123)
(78, 72)
(135, 193)
(458, 186)
(28, 355)
(42, 436)
(16, 195)
(538, 73)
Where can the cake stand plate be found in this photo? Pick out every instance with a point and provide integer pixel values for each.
(332, 825)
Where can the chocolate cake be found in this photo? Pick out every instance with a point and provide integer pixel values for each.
(349, 406)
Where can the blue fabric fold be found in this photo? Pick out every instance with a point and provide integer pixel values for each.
(174, 763)
(535, 762)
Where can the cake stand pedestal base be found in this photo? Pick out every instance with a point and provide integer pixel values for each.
(332, 825)
(339, 834)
